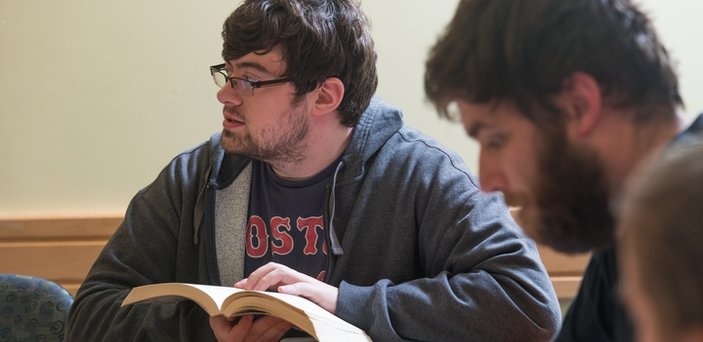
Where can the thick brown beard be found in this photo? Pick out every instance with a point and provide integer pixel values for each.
(571, 199)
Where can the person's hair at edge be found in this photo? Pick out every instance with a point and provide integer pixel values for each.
(319, 38)
(661, 229)
(521, 52)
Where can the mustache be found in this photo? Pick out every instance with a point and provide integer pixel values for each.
(232, 113)
(230, 110)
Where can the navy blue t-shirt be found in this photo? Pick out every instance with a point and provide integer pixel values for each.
(286, 222)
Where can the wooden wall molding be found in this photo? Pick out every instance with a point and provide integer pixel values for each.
(63, 249)
(57, 248)
(565, 271)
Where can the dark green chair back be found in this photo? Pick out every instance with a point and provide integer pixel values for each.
(32, 309)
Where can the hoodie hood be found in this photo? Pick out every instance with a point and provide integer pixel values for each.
(378, 124)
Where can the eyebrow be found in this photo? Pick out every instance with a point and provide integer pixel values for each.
(252, 65)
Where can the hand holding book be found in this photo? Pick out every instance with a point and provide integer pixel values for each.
(294, 307)
(286, 280)
(248, 327)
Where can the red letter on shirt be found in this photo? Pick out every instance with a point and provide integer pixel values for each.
(310, 226)
(282, 243)
(257, 237)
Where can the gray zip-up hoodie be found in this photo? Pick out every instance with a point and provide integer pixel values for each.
(417, 250)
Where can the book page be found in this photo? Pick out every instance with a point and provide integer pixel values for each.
(231, 301)
(315, 311)
(174, 292)
(218, 293)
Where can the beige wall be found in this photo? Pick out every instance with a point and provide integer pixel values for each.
(97, 96)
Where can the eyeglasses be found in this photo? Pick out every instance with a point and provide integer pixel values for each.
(241, 85)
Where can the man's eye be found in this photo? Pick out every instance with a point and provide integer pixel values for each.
(495, 141)
(247, 78)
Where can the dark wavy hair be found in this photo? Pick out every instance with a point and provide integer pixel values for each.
(521, 51)
(319, 38)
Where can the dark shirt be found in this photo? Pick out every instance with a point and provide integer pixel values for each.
(597, 314)
(286, 223)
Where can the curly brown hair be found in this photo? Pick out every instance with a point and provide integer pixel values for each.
(319, 38)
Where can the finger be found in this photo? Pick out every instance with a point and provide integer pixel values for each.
(245, 323)
(271, 280)
(241, 284)
(224, 330)
(240, 330)
(322, 294)
(268, 328)
(217, 321)
(220, 327)
(276, 332)
(267, 276)
(250, 282)
(297, 289)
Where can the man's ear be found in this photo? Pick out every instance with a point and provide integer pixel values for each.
(329, 96)
(581, 99)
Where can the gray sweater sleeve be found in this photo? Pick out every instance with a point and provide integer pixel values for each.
(153, 244)
(481, 279)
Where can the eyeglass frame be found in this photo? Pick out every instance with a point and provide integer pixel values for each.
(253, 84)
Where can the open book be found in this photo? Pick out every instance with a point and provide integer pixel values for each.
(229, 301)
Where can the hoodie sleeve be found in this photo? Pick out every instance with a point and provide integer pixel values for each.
(153, 244)
(480, 278)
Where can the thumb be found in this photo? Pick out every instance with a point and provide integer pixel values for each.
(297, 289)
(315, 294)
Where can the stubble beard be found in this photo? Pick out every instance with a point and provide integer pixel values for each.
(281, 144)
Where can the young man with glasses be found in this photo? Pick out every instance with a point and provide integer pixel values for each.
(566, 99)
(315, 189)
